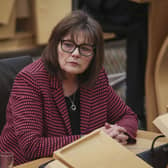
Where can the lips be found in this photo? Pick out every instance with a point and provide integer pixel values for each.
(73, 62)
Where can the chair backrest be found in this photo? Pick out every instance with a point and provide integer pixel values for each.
(9, 67)
(161, 78)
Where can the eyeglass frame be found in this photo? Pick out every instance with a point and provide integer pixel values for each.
(78, 46)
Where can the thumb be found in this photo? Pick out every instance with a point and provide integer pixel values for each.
(107, 125)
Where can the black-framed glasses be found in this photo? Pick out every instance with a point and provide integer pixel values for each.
(84, 49)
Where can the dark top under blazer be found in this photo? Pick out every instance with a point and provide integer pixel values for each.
(37, 115)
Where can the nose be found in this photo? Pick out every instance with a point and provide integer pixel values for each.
(76, 52)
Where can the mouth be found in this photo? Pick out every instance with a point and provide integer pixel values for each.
(73, 62)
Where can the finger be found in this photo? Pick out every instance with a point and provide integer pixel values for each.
(113, 133)
(122, 137)
(109, 130)
(115, 129)
(123, 142)
(121, 129)
(107, 125)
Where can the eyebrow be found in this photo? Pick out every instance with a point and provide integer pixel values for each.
(74, 38)
(78, 44)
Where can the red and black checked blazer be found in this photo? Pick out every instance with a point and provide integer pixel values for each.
(37, 116)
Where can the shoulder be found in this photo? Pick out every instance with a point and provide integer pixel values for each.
(102, 77)
(35, 70)
(35, 67)
(33, 74)
(102, 82)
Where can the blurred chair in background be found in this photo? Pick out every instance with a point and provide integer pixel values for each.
(9, 67)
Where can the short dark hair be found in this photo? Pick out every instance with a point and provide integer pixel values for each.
(77, 21)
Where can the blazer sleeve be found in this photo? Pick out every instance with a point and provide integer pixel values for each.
(27, 109)
(119, 113)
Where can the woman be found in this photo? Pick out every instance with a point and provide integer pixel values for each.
(65, 94)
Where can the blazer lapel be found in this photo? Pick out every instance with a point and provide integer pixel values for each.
(85, 106)
(85, 109)
(58, 96)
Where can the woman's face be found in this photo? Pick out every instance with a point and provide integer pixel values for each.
(72, 60)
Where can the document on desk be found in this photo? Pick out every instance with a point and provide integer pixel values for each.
(161, 122)
(98, 150)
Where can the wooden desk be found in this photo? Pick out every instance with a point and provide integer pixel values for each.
(144, 140)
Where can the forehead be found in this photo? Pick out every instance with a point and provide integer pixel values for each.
(80, 37)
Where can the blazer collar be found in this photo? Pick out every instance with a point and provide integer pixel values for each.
(55, 83)
(58, 96)
(85, 109)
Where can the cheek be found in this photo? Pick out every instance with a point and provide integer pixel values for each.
(61, 61)
(61, 57)
(87, 62)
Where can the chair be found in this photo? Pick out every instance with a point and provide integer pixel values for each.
(9, 67)
(161, 78)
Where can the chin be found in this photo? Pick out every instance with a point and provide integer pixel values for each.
(74, 72)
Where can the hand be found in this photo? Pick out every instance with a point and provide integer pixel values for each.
(116, 132)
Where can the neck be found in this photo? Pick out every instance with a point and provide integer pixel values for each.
(70, 85)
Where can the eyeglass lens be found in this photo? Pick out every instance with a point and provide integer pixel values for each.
(84, 49)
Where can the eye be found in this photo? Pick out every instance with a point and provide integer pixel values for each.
(86, 48)
(68, 44)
